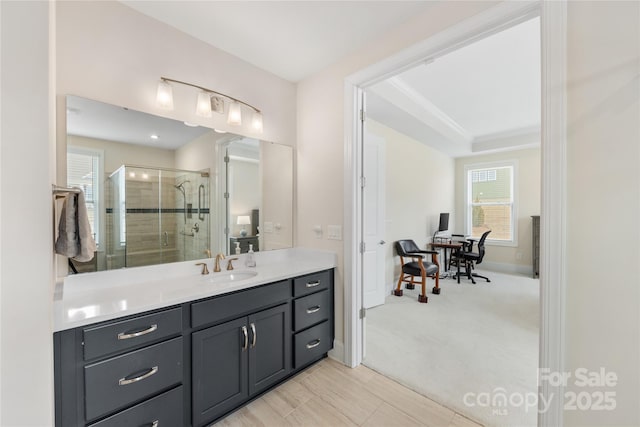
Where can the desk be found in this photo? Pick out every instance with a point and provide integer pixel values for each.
(451, 246)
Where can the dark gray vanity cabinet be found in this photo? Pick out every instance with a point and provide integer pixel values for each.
(220, 370)
(190, 365)
(124, 372)
(239, 359)
(313, 317)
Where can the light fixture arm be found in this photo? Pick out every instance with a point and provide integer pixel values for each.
(166, 79)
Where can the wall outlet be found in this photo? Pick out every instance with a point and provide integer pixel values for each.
(518, 256)
(334, 232)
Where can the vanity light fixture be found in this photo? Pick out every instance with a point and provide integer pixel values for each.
(164, 96)
(208, 101)
(235, 114)
(203, 106)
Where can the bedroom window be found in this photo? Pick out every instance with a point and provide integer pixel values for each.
(490, 201)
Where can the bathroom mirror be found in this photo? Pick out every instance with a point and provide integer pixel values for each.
(160, 190)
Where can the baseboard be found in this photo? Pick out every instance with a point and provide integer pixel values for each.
(502, 267)
(337, 353)
(390, 287)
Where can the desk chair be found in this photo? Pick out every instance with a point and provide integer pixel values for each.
(471, 259)
(408, 250)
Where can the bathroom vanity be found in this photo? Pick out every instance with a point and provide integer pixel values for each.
(167, 346)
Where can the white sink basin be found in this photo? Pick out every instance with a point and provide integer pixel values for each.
(230, 276)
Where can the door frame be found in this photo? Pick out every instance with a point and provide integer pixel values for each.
(553, 30)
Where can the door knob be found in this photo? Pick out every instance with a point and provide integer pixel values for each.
(382, 242)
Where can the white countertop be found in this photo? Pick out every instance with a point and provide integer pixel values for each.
(88, 298)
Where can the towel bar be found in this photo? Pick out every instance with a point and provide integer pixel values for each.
(63, 191)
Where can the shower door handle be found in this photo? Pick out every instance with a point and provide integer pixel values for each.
(165, 238)
(201, 200)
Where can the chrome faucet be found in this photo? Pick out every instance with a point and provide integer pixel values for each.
(216, 268)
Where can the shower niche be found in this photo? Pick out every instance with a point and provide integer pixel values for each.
(156, 216)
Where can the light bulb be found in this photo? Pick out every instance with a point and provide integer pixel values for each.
(203, 107)
(164, 96)
(256, 121)
(235, 114)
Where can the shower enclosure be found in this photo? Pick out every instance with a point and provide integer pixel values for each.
(156, 216)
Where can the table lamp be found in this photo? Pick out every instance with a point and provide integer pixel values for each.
(243, 220)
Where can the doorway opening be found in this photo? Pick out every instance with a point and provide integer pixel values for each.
(462, 135)
(503, 16)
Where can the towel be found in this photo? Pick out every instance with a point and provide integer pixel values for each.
(75, 239)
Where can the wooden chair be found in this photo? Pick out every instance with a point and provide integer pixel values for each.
(413, 266)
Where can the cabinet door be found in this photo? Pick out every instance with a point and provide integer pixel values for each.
(269, 347)
(219, 370)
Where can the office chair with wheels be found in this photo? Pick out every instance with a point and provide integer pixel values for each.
(471, 258)
(416, 268)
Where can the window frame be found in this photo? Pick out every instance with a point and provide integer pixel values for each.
(468, 204)
(99, 215)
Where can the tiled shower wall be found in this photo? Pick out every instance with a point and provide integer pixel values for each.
(156, 231)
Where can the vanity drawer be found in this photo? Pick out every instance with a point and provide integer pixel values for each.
(118, 336)
(311, 309)
(115, 383)
(311, 344)
(232, 306)
(163, 410)
(311, 283)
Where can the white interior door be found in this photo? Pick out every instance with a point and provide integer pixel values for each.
(373, 223)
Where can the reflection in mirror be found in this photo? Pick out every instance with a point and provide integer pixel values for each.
(155, 216)
(258, 180)
(152, 185)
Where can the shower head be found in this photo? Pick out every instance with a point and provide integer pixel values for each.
(181, 185)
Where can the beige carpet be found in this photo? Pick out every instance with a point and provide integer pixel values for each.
(480, 339)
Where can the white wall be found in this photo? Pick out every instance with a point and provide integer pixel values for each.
(321, 133)
(276, 170)
(419, 184)
(603, 203)
(108, 52)
(117, 154)
(244, 191)
(528, 203)
(26, 255)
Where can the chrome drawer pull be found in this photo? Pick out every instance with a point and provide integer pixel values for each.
(125, 381)
(245, 338)
(315, 344)
(313, 309)
(253, 337)
(125, 336)
(313, 284)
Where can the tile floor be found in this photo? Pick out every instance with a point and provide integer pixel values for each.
(330, 394)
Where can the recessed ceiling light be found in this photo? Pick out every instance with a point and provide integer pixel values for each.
(191, 125)
(154, 136)
(132, 174)
(219, 131)
(145, 176)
